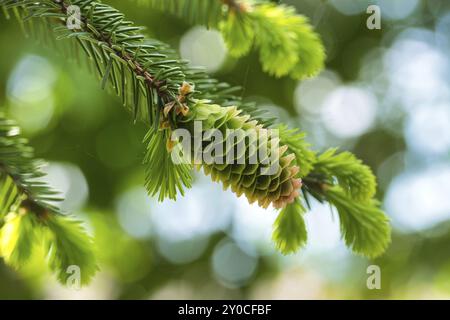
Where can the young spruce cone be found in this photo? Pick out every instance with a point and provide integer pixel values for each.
(244, 176)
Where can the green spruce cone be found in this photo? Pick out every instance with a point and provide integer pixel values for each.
(271, 179)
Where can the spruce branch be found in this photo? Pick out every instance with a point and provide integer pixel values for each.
(144, 72)
(364, 226)
(163, 91)
(162, 175)
(286, 41)
(289, 232)
(353, 176)
(28, 217)
(341, 180)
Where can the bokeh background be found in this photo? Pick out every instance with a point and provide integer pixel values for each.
(385, 95)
